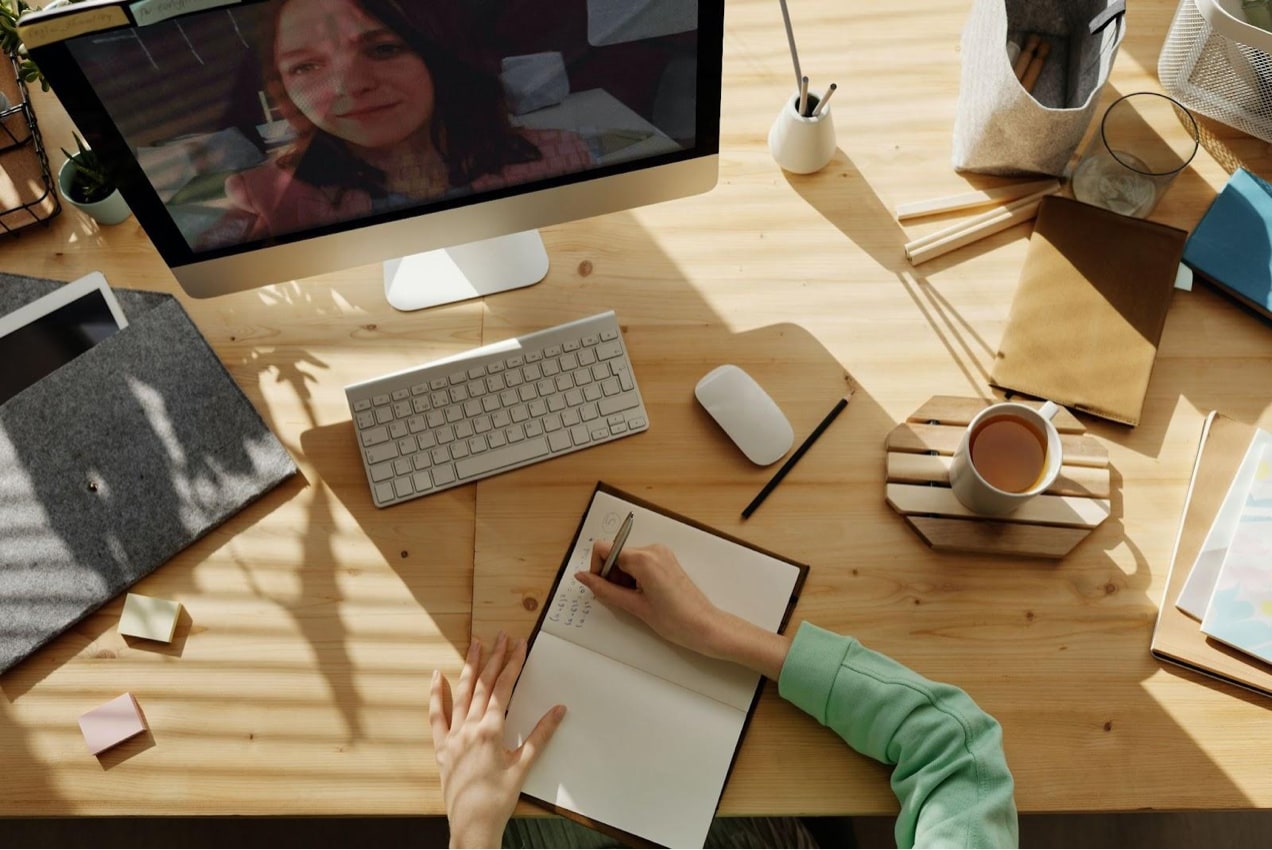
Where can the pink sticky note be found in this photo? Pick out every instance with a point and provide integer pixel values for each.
(112, 723)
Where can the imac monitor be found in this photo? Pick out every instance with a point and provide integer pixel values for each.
(258, 141)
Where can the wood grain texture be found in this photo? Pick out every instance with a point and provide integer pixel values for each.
(299, 683)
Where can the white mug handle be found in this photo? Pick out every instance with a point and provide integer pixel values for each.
(1048, 410)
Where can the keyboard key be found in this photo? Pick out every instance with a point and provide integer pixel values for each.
(402, 466)
(496, 459)
(422, 482)
(443, 475)
(606, 350)
(382, 471)
(383, 414)
(382, 452)
(381, 399)
(403, 486)
(419, 389)
(559, 440)
(366, 419)
(610, 386)
(397, 429)
(384, 492)
(616, 403)
(580, 435)
(399, 395)
(361, 405)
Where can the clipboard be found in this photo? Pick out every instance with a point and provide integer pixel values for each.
(1177, 638)
(115, 462)
(618, 644)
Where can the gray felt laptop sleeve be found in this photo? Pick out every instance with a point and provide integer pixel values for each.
(115, 462)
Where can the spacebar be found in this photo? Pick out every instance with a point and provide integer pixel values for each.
(504, 456)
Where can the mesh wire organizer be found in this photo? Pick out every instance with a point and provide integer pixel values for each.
(1218, 65)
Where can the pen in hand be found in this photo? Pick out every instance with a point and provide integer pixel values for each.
(621, 538)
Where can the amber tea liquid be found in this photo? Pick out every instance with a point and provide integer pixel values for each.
(1009, 453)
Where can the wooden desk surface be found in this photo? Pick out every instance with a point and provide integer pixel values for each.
(299, 683)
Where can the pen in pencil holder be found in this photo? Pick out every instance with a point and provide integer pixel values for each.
(803, 143)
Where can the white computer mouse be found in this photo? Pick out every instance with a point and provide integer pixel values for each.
(746, 413)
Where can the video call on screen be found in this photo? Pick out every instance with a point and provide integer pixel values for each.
(242, 144)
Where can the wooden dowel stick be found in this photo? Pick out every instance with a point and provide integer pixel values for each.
(1003, 220)
(974, 221)
(1030, 79)
(1026, 55)
(971, 200)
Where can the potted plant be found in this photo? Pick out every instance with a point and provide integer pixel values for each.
(86, 183)
(11, 45)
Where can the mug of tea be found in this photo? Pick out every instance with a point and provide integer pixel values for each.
(1009, 453)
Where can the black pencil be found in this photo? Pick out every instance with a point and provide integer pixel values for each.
(799, 453)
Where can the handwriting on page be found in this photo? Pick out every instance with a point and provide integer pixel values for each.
(573, 601)
(572, 604)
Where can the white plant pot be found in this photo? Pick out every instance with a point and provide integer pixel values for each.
(111, 210)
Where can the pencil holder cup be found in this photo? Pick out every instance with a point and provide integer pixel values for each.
(800, 143)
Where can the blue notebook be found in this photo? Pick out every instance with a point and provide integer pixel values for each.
(1231, 247)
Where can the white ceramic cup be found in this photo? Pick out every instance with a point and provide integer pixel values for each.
(970, 486)
(802, 144)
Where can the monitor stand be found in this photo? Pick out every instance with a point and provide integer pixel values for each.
(466, 271)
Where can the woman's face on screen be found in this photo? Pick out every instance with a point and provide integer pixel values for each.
(351, 75)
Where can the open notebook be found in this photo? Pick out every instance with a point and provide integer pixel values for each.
(652, 729)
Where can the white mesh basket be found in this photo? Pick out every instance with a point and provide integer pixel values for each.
(1216, 64)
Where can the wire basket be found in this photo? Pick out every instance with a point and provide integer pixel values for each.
(1216, 64)
(27, 194)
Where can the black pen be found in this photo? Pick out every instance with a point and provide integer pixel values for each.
(621, 538)
(794, 458)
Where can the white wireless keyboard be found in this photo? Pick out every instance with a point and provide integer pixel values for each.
(495, 408)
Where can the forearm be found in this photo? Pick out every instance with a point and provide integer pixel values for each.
(951, 776)
(742, 642)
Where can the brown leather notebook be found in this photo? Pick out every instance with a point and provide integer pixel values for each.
(1177, 637)
(1089, 310)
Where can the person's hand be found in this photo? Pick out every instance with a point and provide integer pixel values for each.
(659, 595)
(664, 598)
(481, 779)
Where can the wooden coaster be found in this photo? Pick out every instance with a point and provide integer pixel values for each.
(920, 451)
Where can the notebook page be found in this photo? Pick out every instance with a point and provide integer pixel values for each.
(750, 584)
(634, 751)
(1200, 584)
(1240, 609)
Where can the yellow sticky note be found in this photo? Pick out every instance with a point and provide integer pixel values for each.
(148, 617)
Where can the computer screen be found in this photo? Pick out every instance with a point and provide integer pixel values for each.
(258, 141)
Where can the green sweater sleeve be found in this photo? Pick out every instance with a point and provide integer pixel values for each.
(950, 774)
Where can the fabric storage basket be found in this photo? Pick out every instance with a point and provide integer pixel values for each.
(999, 127)
(1216, 64)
